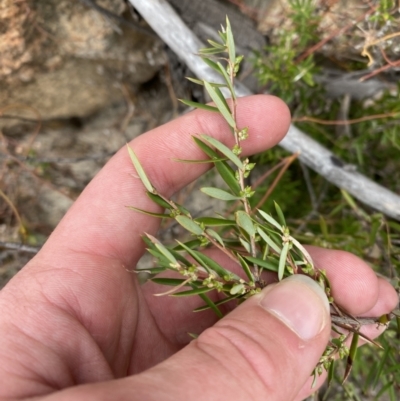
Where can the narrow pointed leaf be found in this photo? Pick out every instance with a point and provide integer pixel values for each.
(159, 200)
(269, 240)
(219, 194)
(244, 221)
(216, 236)
(227, 79)
(208, 263)
(195, 291)
(205, 161)
(222, 301)
(139, 169)
(209, 51)
(221, 104)
(215, 222)
(282, 261)
(280, 214)
(246, 268)
(195, 81)
(230, 42)
(211, 64)
(163, 249)
(199, 105)
(161, 259)
(189, 225)
(216, 44)
(159, 215)
(265, 264)
(228, 175)
(245, 245)
(352, 356)
(223, 168)
(224, 150)
(168, 281)
(303, 250)
(211, 305)
(152, 270)
(331, 372)
(270, 220)
(189, 244)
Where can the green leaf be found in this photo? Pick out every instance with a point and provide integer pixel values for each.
(222, 301)
(282, 260)
(159, 200)
(352, 355)
(280, 214)
(159, 215)
(269, 240)
(208, 263)
(209, 51)
(167, 281)
(195, 291)
(162, 249)
(331, 372)
(223, 168)
(189, 244)
(216, 44)
(152, 270)
(139, 169)
(245, 244)
(220, 103)
(219, 194)
(189, 225)
(161, 259)
(244, 221)
(269, 219)
(215, 222)
(230, 42)
(227, 79)
(245, 268)
(199, 105)
(224, 150)
(210, 304)
(211, 64)
(205, 161)
(228, 175)
(215, 235)
(265, 264)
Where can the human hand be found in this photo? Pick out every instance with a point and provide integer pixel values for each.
(76, 325)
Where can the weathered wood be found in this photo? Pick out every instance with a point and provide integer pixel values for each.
(171, 29)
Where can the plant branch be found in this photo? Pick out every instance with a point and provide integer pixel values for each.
(164, 20)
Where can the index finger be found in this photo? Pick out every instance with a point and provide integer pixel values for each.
(99, 222)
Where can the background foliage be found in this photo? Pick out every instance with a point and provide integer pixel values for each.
(364, 132)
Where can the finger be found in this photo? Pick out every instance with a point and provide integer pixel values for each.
(387, 301)
(99, 219)
(354, 284)
(264, 349)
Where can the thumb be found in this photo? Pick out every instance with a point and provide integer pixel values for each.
(264, 349)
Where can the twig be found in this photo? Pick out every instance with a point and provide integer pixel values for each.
(164, 20)
(345, 122)
(57, 160)
(16, 246)
(335, 33)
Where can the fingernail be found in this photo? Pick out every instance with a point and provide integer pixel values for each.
(300, 303)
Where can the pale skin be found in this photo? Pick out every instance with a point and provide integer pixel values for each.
(75, 324)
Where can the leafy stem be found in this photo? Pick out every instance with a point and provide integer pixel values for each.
(254, 241)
